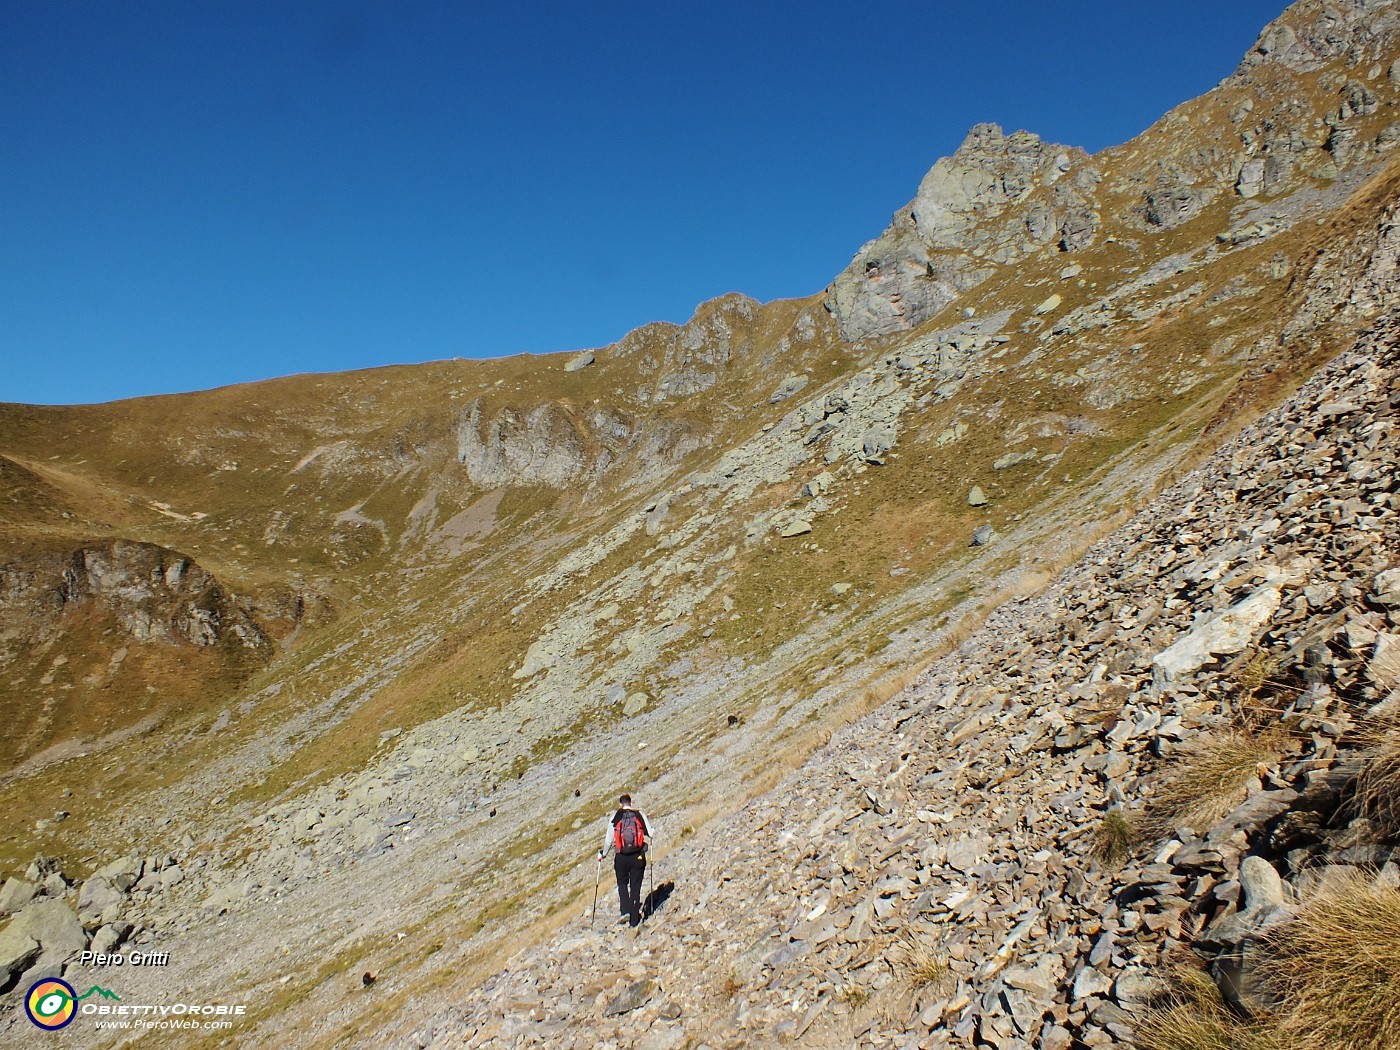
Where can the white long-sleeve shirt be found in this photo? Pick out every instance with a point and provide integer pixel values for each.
(609, 846)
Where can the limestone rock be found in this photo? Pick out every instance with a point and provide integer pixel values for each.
(1229, 632)
(1051, 303)
(110, 937)
(1250, 182)
(539, 656)
(18, 951)
(1384, 665)
(155, 595)
(1013, 459)
(796, 527)
(976, 497)
(542, 445)
(656, 517)
(53, 924)
(998, 195)
(629, 997)
(579, 361)
(1091, 982)
(788, 387)
(876, 442)
(966, 851)
(15, 894)
(122, 873)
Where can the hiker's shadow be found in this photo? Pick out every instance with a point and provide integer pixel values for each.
(656, 898)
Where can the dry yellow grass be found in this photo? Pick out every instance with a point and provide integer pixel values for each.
(1378, 784)
(1260, 670)
(917, 964)
(856, 995)
(1209, 779)
(1196, 1018)
(1115, 837)
(1336, 967)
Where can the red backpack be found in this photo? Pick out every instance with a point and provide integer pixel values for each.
(629, 833)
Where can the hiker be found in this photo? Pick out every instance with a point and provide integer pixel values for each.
(628, 835)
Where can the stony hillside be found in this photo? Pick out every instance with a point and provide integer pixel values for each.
(946, 871)
(300, 650)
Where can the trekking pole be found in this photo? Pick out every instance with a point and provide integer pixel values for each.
(596, 879)
(651, 893)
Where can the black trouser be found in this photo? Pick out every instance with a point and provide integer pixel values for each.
(630, 868)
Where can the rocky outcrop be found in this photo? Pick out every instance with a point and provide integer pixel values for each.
(682, 360)
(155, 594)
(1000, 198)
(1313, 32)
(995, 200)
(543, 445)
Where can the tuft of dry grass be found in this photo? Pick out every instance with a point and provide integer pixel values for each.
(1209, 779)
(1115, 837)
(1257, 670)
(1377, 791)
(1254, 674)
(917, 964)
(1197, 1018)
(1336, 968)
(856, 995)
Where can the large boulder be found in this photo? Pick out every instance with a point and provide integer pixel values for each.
(122, 873)
(1266, 904)
(97, 897)
(109, 937)
(53, 924)
(1228, 632)
(15, 894)
(17, 951)
(579, 361)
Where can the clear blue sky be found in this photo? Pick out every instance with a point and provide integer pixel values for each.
(201, 192)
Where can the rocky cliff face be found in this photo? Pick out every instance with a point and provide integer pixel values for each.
(1002, 197)
(997, 199)
(75, 625)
